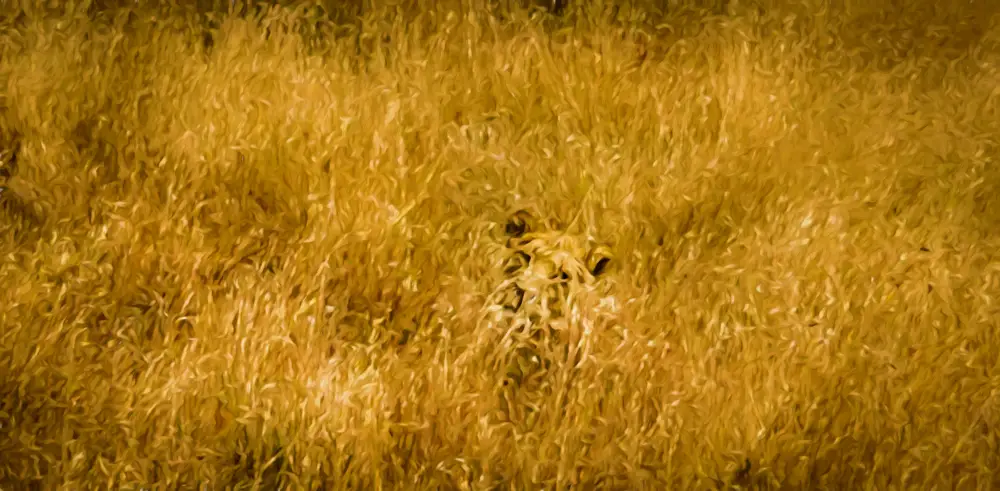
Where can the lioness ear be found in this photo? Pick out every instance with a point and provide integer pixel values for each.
(518, 224)
(599, 259)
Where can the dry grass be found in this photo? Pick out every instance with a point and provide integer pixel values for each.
(223, 225)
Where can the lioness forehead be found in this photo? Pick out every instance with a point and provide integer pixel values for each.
(549, 243)
(574, 255)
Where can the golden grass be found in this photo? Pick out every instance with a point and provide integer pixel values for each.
(230, 237)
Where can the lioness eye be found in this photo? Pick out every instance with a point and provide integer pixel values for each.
(518, 261)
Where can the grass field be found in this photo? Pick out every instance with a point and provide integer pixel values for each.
(255, 250)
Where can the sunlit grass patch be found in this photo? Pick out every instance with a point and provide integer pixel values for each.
(259, 249)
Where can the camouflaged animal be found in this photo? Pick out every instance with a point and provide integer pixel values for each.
(544, 271)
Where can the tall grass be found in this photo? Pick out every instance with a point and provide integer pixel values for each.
(240, 213)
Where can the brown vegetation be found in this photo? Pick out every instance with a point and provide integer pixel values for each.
(255, 248)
